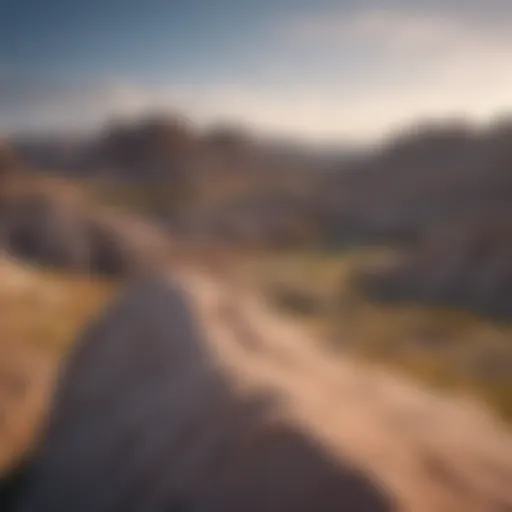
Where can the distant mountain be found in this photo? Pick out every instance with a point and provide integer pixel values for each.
(444, 195)
(56, 153)
(421, 178)
(139, 149)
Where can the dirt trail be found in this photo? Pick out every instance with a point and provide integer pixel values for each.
(208, 401)
(431, 452)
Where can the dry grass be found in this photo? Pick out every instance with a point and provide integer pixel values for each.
(447, 348)
(45, 309)
(398, 434)
(430, 451)
(40, 315)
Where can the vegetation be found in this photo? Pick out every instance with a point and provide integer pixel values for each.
(438, 195)
(45, 309)
(445, 347)
(42, 312)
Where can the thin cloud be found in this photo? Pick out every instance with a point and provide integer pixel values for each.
(418, 63)
(391, 67)
(395, 31)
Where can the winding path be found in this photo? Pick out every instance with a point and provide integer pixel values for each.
(189, 394)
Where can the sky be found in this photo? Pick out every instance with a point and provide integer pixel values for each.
(349, 70)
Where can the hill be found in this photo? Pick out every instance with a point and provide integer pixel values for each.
(224, 394)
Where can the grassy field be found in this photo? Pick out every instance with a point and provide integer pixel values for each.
(41, 313)
(446, 348)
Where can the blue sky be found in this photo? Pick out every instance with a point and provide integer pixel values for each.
(318, 69)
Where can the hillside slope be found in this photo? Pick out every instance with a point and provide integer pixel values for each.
(196, 396)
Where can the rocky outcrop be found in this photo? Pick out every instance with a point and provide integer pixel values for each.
(58, 229)
(422, 179)
(465, 264)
